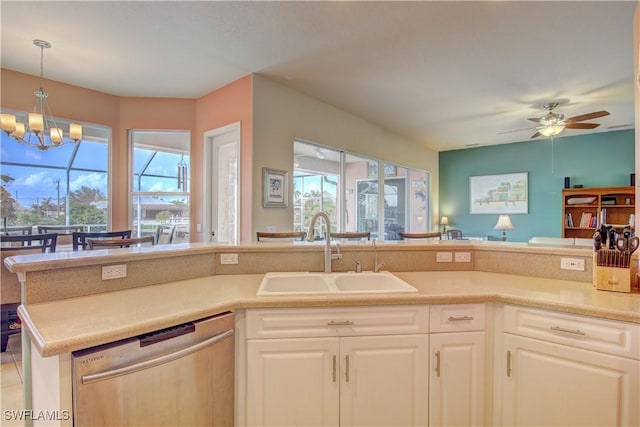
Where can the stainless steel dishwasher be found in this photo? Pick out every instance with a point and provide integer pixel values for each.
(179, 376)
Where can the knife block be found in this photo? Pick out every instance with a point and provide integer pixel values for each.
(614, 278)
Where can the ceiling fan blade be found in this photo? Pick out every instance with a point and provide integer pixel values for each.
(535, 135)
(535, 119)
(587, 116)
(515, 130)
(582, 125)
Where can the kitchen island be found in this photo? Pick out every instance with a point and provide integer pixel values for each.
(61, 321)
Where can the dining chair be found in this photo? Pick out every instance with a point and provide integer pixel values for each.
(454, 234)
(434, 235)
(60, 229)
(180, 234)
(164, 234)
(264, 236)
(17, 230)
(10, 291)
(352, 235)
(80, 237)
(120, 243)
(43, 242)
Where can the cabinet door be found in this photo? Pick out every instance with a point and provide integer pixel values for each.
(548, 384)
(293, 382)
(456, 385)
(384, 380)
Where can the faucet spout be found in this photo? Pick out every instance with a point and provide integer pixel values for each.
(327, 248)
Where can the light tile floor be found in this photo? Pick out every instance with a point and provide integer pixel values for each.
(11, 380)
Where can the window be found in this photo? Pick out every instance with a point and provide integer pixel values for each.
(65, 185)
(160, 183)
(347, 187)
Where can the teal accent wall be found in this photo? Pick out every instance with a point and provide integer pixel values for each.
(595, 160)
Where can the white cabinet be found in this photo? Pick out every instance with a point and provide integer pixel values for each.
(457, 379)
(293, 382)
(337, 376)
(568, 370)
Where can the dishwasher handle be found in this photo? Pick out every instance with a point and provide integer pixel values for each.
(105, 375)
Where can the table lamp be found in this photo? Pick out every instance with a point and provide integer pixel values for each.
(444, 221)
(504, 223)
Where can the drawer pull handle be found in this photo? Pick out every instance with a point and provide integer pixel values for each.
(459, 318)
(340, 323)
(508, 363)
(438, 363)
(569, 331)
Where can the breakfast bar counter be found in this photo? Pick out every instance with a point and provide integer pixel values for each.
(71, 324)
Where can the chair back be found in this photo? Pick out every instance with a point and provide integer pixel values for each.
(435, 235)
(80, 237)
(120, 243)
(454, 234)
(180, 234)
(163, 234)
(264, 236)
(17, 230)
(43, 242)
(60, 229)
(351, 235)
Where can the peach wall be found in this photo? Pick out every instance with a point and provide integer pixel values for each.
(229, 104)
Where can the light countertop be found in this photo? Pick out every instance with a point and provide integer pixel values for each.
(76, 323)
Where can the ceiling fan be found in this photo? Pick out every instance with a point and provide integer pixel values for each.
(552, 123)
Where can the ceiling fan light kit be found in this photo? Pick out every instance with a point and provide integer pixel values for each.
(551, 124)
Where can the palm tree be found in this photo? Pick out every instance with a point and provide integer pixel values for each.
(7, 202)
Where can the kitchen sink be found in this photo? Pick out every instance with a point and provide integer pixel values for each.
(274, 284)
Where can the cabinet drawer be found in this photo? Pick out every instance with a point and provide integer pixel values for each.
(605, 336)
(340, 321)
(457, 318)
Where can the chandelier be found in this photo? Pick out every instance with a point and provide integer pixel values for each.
(42, 131)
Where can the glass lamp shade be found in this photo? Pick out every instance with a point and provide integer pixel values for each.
(19, 132)
(36, 122)
(56, 135)
(8, 122)
(75, 131)
(444, 220)
(551, 130)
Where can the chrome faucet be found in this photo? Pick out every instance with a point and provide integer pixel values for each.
(327, 249)
(377, 266)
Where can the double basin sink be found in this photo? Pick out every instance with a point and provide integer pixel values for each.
(278, 284)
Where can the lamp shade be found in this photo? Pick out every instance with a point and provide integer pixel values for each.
(444, 220)
(551, 130)
(504, 223)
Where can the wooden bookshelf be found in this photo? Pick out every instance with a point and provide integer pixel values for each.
(586, 207)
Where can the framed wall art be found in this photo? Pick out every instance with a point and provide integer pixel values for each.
(275, 188)
(499, 194)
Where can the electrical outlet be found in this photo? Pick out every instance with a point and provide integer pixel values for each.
(576, 264)
(271, 228)
(444, 256)
(463, 256)
(114, 271)
(228, 258)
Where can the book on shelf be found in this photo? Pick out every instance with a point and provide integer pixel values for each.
(569, 220)
(585, 219)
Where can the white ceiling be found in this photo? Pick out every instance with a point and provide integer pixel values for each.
(445, 74)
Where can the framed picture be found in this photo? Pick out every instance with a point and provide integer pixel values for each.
(275, 188)
(499, 194)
